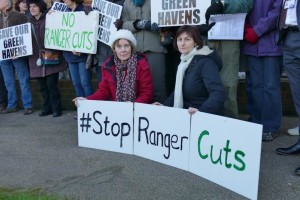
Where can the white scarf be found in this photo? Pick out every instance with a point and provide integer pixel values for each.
(185, 61)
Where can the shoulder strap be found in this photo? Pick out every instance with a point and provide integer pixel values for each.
(34, 34)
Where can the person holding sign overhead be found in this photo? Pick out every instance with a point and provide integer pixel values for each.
(126, 74)
(198, 84)
(8, 18)
(47, 77)
(81, 77)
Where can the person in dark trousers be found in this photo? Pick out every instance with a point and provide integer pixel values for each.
(290, 38)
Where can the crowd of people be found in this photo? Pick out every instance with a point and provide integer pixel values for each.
(175, 66)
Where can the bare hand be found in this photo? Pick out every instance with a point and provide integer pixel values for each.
(192, 110)
(78, 99)
(75, 53)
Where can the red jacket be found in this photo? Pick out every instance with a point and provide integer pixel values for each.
(108, 85)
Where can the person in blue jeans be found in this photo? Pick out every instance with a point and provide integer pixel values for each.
(8, 18)
(81, 77)
(264, 59)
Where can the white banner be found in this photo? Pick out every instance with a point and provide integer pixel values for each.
(223, 150)
(106, 125)
(15, 41)
(227, 152)
(162, 134)
(179, 12)
(109, 12)
(72, 31)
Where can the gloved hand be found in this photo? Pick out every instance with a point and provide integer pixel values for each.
(204, 28)
(118, 23)
(87, 9)
(215, 8)
(250, 35)
(145, 25)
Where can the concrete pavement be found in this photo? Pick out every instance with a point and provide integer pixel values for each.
(43, 153)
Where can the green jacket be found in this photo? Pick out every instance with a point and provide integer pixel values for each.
(237, 6)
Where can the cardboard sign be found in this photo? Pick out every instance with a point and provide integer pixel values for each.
(109, 13)
(60, 7)
(72, 31)
(227, 152)
(179, 12)
(106, 125)
(15, 41)
(162, 134)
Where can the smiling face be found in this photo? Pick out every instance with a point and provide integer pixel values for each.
(123, 49)
(35, 10)
(185, 43)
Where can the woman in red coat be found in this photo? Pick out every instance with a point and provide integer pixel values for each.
(126, 74)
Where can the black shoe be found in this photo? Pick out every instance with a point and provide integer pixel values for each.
(297, 171)
(56, 114)
(45, 113)
(268, 136)
(295, 149)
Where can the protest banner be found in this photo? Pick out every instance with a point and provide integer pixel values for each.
(15, 41)
(226, 151)
(223, 150)
(109, 12)
(59, 7)
(106, 125)
(72, 31)
(179, 12)
(162, 134)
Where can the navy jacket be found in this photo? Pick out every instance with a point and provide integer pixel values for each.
(202, 86)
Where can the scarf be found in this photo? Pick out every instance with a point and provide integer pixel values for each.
(184, 63)
(126, 84)
(138, 2)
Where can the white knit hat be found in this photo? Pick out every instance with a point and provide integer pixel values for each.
(123, 34)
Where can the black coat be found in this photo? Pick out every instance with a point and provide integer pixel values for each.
(202, 86)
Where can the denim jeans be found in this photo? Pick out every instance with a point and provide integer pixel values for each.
(20, 65)
(265, 92)
(81, 79)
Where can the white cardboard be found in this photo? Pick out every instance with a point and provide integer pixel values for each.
(15, 41)
(72, 31)
(174, 125)
(104, 129)
(242, 136)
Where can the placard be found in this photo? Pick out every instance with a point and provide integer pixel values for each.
(15, 41)
(162, 134)
(179, 12)
(227, 152)
(105, 125)
(72, 31)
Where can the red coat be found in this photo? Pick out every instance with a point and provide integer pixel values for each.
(108, 85)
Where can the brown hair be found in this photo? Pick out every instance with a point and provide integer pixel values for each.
(16, 6)
(191, 31)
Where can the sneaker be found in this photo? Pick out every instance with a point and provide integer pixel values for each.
(293, 131)
(28, 111)
(268, 136)
(9, 110)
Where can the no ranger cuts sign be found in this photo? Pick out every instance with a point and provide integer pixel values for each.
(15, 41)
(179, 12)
(72, 31)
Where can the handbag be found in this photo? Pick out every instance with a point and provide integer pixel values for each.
(47, 57)
(91, 61)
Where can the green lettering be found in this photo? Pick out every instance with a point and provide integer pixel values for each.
(211, 156)
(227, 150)
(199, 142)
(237, 158)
